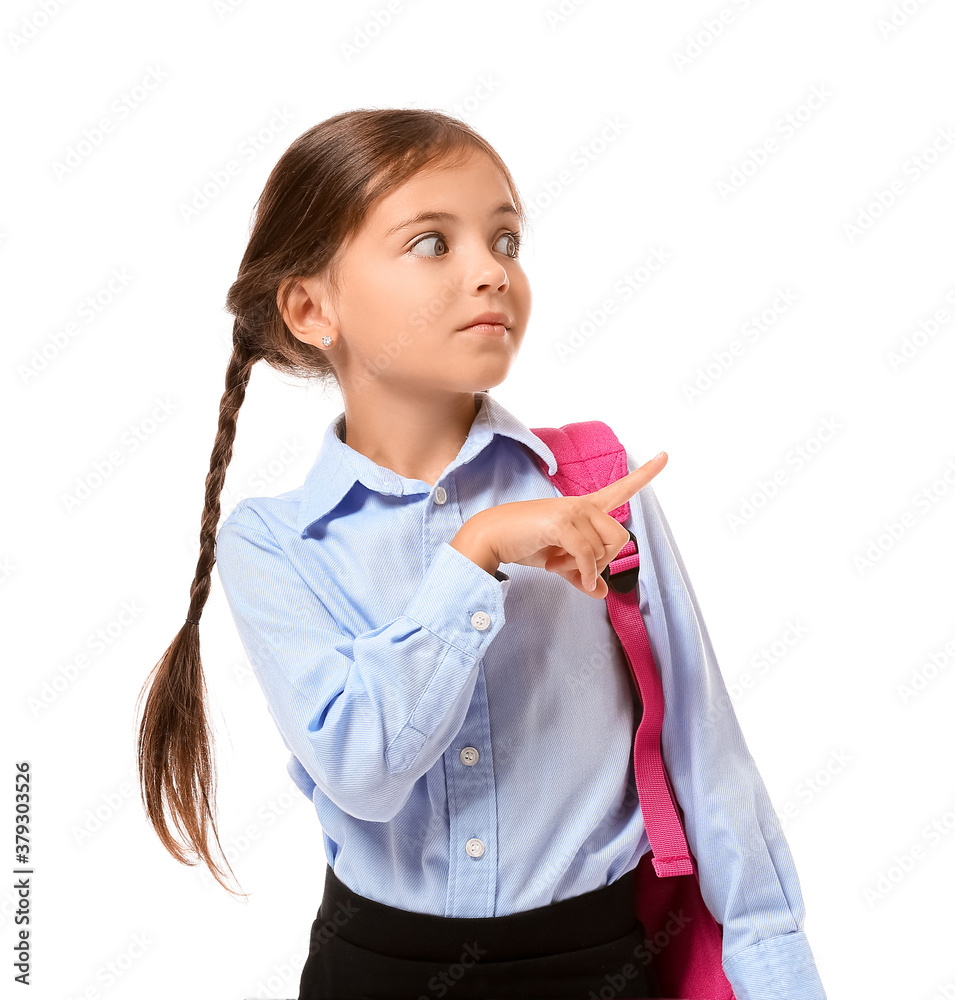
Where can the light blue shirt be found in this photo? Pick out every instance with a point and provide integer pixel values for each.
(467, 739)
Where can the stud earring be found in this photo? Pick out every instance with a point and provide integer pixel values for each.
(327, 341)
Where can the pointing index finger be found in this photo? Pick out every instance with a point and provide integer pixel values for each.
(612, 496)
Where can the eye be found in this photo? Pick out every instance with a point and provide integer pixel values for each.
(515, 240)
(430, 236)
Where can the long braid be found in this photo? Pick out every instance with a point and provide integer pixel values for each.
(175, 749)
(236, 379)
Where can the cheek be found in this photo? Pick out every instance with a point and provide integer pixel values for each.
(397, 292)
(374, 301)
(428, 303)
(520, 286)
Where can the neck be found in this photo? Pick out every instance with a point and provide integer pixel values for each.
(416, 438)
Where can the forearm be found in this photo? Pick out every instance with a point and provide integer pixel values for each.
(366, 712)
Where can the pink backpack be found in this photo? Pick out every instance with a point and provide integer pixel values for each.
(687, 960)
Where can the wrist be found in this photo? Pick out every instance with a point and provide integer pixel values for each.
(469, 541)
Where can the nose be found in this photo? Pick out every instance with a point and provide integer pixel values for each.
(488, 271)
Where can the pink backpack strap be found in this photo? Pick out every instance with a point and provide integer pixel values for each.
(589, 457)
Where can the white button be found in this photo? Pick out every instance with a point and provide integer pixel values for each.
(439, 495)
(480, 620)
(474, 847)
(469, 756)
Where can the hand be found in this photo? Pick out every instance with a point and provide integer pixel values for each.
(574, 537)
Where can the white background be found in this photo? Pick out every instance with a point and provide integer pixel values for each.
(850, 725)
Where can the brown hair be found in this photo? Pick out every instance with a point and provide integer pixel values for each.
(315, 198)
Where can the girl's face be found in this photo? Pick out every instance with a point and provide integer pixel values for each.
(431, 255)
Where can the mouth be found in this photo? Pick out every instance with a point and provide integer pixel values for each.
(490, 324)
(486, 329)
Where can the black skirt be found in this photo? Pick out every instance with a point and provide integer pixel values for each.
(588, 947)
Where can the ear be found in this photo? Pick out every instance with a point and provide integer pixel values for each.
(308, 312)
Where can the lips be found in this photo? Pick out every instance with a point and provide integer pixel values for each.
(489, 319)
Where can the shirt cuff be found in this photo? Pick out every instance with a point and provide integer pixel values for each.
(459, 601)
(781, 968)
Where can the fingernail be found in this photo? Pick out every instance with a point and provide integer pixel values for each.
(659, 454)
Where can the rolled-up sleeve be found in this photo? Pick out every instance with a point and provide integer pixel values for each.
(365, 716)
(747, 875)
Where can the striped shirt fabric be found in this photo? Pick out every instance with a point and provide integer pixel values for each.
(467, 738)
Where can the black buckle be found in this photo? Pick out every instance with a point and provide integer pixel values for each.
(625, 580)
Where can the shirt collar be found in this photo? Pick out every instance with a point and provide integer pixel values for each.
(338, 466)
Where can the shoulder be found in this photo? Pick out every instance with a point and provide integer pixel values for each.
(276, 516)
(258, 542)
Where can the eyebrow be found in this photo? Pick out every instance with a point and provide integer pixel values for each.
(505, 208)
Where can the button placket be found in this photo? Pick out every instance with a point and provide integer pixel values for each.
(473, 818)
(471, 793)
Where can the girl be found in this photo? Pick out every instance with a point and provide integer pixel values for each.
(425, 615)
